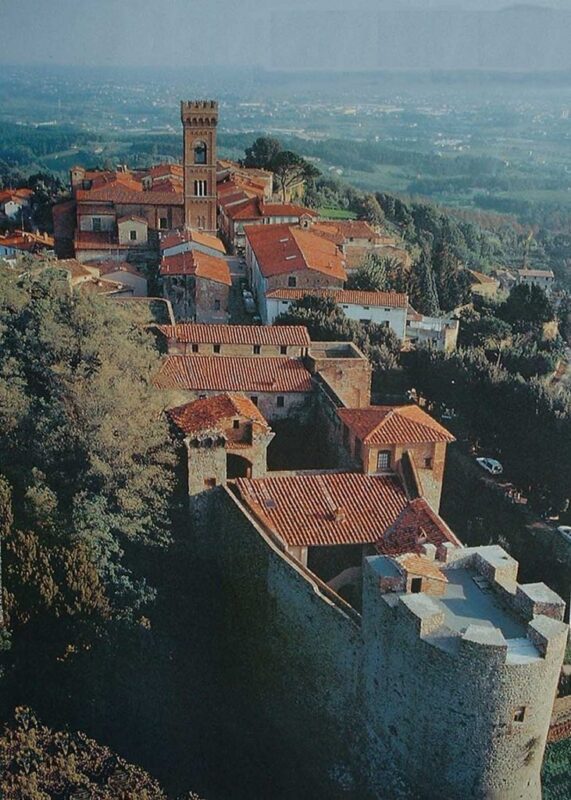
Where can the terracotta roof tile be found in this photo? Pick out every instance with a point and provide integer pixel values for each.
(281, 249)
(199, 264)
(215, 413)
(394, 425)
(348, 296)
(116, 193)
(425, 567)
(232, 374)
(175, 238)
(198, 333)
(327, 509)
(418, 524)
(535, 273)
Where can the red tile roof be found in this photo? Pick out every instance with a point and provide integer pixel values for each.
(255, 208)
(215, 413)
(417, 565)
(393, 425)
(232, 374)
(97, 240)
(116, 193)
(198, 237)
(199, 264)
(418, 524)
(26, 241)
(347, 296)
(327, 509)
(237, 334)
(133, 218)
(281, 249)
(107, 267)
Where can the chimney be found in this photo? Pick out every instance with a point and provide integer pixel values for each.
(338, 514)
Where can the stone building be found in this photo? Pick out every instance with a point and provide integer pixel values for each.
(199, 120)
(280, 387)
(544, 278)
(383, 308)
(378, 437)
(235, 214)
(440, 332)
(437, 682)
(284, 256)
(197, 285)
(225, 437)
(185, 339)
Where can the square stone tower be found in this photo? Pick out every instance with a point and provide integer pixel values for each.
(199, 121)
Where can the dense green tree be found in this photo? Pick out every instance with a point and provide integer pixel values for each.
(371, 276)
(526, 305)
(289, 169)
(85, 451)
(262, 152)
(423, 291)
(370, 210)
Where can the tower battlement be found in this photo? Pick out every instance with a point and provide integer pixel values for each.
(200, 113)
(477, 604)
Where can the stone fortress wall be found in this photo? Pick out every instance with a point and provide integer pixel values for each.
(396, 703)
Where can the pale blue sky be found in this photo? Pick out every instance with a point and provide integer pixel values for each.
(275, 34)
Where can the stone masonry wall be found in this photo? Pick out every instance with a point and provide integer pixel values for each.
(378, 700)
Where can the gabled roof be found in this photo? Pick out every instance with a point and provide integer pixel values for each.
(116, 193)
(199, 333)
(232, 374)
(327, 509)
(536, 273)
(418, 524)
(198, 237)
(202, 265)
(255, 208)
(214, 413)
(393, 425)
(280, 249)
(347, 296)
(132, 218)
(109, 267)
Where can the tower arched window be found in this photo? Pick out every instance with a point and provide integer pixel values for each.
(200, 153)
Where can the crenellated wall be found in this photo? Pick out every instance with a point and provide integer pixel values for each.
(399, 703)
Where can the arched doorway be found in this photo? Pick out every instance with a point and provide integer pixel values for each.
(237, 467)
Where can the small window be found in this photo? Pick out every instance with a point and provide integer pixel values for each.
(256, 349)
(292, 281)
(200, 153)
(216, 348)
(195, 348)
(96, 224)
(383, 460)
(519, 714)
(217, 305)
(254, 399)
(202, 397)
(280, 401)
(283, 350)
(345, 436)
(163, 223)
(210, 483)
(366, 308)
(236, 424)
(416, 585)
(133, 236)
(428, 463)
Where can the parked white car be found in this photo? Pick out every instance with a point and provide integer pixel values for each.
(565, 531)
(490, 465)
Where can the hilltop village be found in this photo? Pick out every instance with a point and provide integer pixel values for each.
(410, 665)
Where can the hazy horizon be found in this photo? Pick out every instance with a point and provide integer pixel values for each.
(374, 34)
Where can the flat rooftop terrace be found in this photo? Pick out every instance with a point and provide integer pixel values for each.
(469, 599)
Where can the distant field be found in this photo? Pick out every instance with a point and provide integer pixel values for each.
(337, 213)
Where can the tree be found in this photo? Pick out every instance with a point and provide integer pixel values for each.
(290, 169)
(452, 282)
(85, 451)
(526, 306)
(370, 210)
(262, 152)
(39, 763)
(423, 293)
(371, 276)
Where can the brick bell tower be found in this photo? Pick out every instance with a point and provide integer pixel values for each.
(199, 121)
